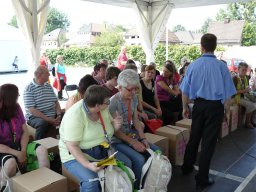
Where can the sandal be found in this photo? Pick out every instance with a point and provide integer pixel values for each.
(249, 126)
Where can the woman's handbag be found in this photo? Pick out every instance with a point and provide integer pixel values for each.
(156, 173)
(250, 96)
(154, 124)
(115, 178)
(6, 180)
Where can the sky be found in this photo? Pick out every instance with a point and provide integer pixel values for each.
(82, 12)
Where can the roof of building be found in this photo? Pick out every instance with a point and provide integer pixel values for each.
(188, 37)
(93, 27)
(77, 40)
(53, 35)
(171, 36)
(227, 31)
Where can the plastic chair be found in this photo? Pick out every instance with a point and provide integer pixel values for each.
(70, 88)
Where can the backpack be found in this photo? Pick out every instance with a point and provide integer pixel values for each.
(116, 178)
(53, 71)
(156, 173)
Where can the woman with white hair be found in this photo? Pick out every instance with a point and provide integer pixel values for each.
(130, 138)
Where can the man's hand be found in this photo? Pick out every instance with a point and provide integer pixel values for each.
(185, 113)
(118, 121)
(55, 121)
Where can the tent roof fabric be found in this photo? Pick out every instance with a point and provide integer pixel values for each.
(176, 3)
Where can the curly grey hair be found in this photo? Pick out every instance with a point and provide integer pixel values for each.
(128, 77)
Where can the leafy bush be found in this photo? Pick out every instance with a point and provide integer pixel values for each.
(89, 56)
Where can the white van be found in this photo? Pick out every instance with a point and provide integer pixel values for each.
(13, 52)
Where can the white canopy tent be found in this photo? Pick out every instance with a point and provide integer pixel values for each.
(32, 17)
(152, 18)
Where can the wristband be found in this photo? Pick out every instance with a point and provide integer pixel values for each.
(141, 139)
(131, 144)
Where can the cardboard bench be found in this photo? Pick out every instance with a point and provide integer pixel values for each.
(234, 117)
(159, 141)
(40, 180)
(185, 123)
(73, 183)
(178, 138)
(51, 144)
(32, 132)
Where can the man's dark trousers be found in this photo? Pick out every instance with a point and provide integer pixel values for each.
(207, 117)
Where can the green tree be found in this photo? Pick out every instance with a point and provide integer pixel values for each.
(56, 19)
(178, 28)
(13, 22)
(205, 25)
(242, 11)
(110, 39)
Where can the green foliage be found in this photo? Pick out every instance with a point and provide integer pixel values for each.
(178, 28)
(205, 25)
(13, 22)
(90, 56)
(136, 53)
(242, 11)
(56, 19)
(110, 39)
(249, 34)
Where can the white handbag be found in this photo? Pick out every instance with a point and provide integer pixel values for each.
(157, 172)
(5, 180)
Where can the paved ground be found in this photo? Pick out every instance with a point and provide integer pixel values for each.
(234, 162)
(23, 78)
(233, 166)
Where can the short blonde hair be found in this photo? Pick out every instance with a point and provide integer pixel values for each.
(58, 57)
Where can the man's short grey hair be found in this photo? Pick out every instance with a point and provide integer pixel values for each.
(39, 70)
(128, 77)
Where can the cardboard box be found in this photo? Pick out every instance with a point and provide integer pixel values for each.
(233, 118)
(178, 138)
(50, 143)
(224, 131)
(31, 132)
(160, 141)
(40, 180)
(185, 123)
(73, 183)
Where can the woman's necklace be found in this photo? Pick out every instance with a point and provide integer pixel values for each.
(148, 84)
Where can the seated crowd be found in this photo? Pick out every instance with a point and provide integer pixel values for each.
(106, 114)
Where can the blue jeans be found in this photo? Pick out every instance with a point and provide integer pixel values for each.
(84, 175)
(138, 159)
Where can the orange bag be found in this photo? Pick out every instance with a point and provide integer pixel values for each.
(56, 84)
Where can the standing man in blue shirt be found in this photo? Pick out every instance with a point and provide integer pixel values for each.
(207, 82)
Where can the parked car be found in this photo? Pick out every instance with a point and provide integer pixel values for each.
(233, 64)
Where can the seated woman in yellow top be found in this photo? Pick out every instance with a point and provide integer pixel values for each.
(84, 83)
(85, 137)
(242, 86)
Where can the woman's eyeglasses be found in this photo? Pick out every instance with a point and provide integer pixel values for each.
(107, 102)
(131, 90)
